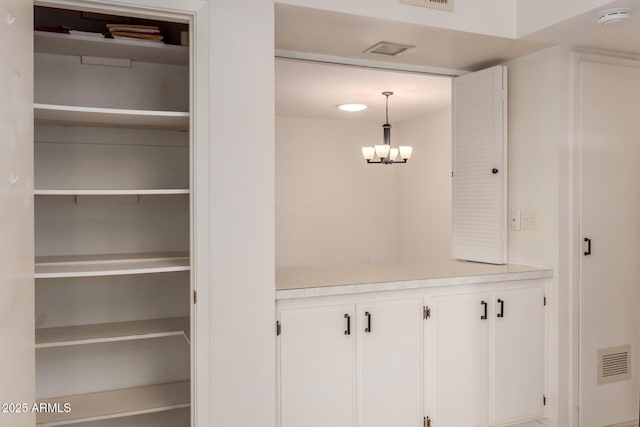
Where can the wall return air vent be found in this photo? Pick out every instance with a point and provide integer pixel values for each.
(432, 4)
(614, 364)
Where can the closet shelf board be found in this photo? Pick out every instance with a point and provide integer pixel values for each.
(76, 45)
(116, 404)
(72, 115)
(112, 332)
(141, 192)
(50, 267)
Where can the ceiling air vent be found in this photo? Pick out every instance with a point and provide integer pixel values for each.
(614, 364)
(389, 48)
(432, 4)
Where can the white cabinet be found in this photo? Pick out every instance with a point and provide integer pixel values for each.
(325, 381)
(317, 367)
(459, 351)
(390, 363)
(518, 354)
(487, 352)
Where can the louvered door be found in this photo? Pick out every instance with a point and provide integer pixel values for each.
(480, 166)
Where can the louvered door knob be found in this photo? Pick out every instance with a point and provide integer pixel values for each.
(494, 171)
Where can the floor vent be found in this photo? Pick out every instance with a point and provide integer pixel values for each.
(433, 4)
(614, 364)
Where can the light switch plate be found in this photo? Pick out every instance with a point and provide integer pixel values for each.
(530, 219)
(515, 220)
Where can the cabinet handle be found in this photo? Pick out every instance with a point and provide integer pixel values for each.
(348, 330)
(484, 305)
(588, 251)
(368, 328)
(501, 302)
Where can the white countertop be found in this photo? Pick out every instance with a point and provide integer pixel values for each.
(303, 282)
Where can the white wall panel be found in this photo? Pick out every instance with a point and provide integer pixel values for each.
(423, 194)
(16, 209)
(241, 164)
(332, 207)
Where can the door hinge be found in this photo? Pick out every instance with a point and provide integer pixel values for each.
(426, 422)
(544, 301)
(426, 312)
(544, 400)
(278, 328)
(195, 296)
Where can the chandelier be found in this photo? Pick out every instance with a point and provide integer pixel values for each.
(385, 153)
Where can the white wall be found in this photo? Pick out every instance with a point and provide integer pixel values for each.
(496, 17)
(539, 171)
(337, 209)
(17, 358)
(423, 194)
(242, 290)
(331, 206)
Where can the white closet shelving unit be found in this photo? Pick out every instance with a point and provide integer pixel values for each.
(69, 115)
(118, 403)
(67, 44)
(112, 204)
(112, 332)
(110, 265)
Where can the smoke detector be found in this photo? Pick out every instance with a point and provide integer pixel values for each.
(613, 16)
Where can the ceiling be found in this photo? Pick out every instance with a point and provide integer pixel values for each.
(584, 31)
(300, 29)
(307, 89)
(310, 89)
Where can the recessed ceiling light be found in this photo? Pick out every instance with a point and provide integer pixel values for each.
(613, 16)
(352, 107)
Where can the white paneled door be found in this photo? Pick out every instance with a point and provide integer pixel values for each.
(459, 372)
(390, 363)
(518, 354)
(317, 367)
(17, 354)
(610, 257)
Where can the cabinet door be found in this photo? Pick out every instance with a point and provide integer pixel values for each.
(390, 363)
(459, 368)
(518, 354)
(317, 367)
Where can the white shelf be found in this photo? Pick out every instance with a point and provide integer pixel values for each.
(110, 265)
(152, 192)
(75, 45)
(70, 115)
(117, 404)
(112, 332)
